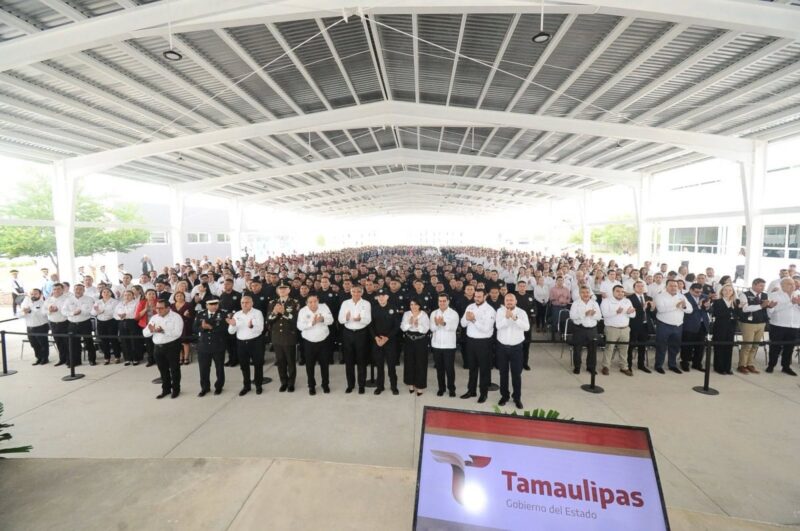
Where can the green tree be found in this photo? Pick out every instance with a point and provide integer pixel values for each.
(35, 202)
(611, 238)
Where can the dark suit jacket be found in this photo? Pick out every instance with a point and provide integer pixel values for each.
(643, 317)
(693, 321)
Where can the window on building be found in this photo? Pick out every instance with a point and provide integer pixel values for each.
(781, 241)
(158, 238)
(223, 237)
(695, 240)
(197, 237)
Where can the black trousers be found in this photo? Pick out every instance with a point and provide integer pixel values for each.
(639, 334)
(62, 342)
(109, 344)
(355, 347)
(540, 314)
(693, 354)
(204, 359)
(479, 361)
(509, 357)
(444, 360)
(41, 348)
(415, 368)
(584, 337)
(148, 347)
(526, 343)
(130, 346)
(85, 329)
(385, 359)
(252, 350)
(782, 333)
(722, 356)
(168, 361)
(286, 360)
(319, 352)
(230, 346)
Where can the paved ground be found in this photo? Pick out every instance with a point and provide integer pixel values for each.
(734, 454)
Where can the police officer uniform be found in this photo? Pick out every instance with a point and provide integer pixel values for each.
(211, 346)
(386, 323)
(283, 328)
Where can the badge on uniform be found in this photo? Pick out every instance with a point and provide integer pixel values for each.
(391, 312)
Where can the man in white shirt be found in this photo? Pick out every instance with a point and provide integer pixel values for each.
(617, 312)
(670, 307)
(355, 314)
(478, 320)
(78, 311)
(248, 325)
(784, 325)
(59, 326)
(17, 291)
(36, 323)
(444, 324)
(313, 321)
(585, 314)
(144, 282)
(512, 323)
(89, 288)
(166, 329)
(607, 286)
(775, 285)
(656, 287)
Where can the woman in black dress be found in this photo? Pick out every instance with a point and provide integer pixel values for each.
(725, 311)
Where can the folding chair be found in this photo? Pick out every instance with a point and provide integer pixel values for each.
(567, 338)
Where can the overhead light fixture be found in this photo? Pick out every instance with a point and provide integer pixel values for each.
(541, 37)
(172, 55)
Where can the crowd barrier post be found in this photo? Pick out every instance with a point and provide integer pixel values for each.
(591, 387)
(72, 375)
(6, 371)
(705, 389)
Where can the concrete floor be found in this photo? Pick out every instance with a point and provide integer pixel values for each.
(731, 455)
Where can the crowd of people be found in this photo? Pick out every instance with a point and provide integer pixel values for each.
(384, 306)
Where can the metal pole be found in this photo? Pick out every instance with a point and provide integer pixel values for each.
(705, 389)
(71, 376)
(5, 372)
(591, 387)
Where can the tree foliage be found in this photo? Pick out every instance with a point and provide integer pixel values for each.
(35, 202)
(612, 238)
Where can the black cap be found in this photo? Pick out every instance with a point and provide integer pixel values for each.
(284, 284)
(381, 291)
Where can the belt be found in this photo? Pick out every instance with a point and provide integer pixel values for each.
(619, 327)
(415, 337)
(587, 327)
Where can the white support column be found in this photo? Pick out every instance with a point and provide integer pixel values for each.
(235, 213)
(586, 230)
(645, 230)
(753, 175)
(176, 232)
(64, 218)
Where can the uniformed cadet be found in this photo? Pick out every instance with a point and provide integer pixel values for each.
(211, 329)
(282, 319)
(313, 321)
(526, 303)
(230, 302)
(248, 325)
(383, 331)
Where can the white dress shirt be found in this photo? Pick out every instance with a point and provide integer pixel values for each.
(422, 326)
(171, 328)
(541, 293)
(786, 313)
(667, 310)
(361, 309)
(654, 289)
(607, 288)
(577, 313)
(609, 309)
(35, 317)
(483, 325)
(120, 289)
(53, 306)
(311, 331)
(444, 336)
(126, 309)
(242, 328)
(91, 291)
(104, 310)
(85, 304)
(511, 331)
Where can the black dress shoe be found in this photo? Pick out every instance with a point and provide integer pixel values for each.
(162, 395)
(527, 367)
(576, 370)
(440, 392)
(107, 362)
(698, 367)
(659, 370)
(502, 402)
(35, 363)
(290, 389)
(312, 391)
(518, 404)
(770, 369)
(60, 363)
(645, 370)
(92, 363)
(395, 391)
(685, 367)
(174, 394)
(301, 362)
(45, 362)
(244, 391)
(259, 390)
(149, 364)
(217, 391)
(283, 388)
(377, 391)
(676, 370)
(789, 371)
(482, 399)
(135, 363)
(127, 364)
(201, 394)
(326, 389)
(234, 364)
(348, 390)
(361, 390)
(468, 395)
(452, 393)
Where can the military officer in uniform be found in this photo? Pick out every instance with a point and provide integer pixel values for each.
(525, 302)
(282, 319)
(383, 332)
(212, 330)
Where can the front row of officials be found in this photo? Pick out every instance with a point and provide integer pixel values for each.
(369, 330)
